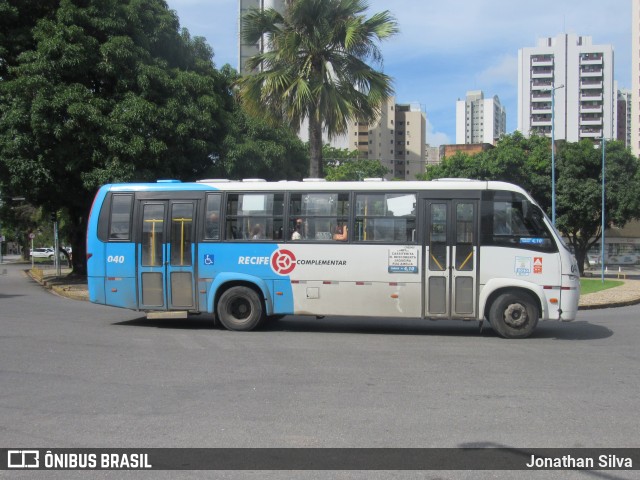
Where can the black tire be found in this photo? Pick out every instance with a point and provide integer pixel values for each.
(240, 309)
(514, 315)
(50, 257)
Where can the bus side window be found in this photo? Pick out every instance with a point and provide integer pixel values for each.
(212, 217)
(385, 217)
(316, 215)
(120, 217)
(254, 216)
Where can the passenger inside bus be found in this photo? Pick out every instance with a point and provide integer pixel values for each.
(340, 233)
(297, 230)
(256, 232)
(212, 226)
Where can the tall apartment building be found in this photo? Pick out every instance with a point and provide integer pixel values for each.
(396, 139)
(585, 107)
(635, 77)
(479, 119)
(623, 130)
(246, 50)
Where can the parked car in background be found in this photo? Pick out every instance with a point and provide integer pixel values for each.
(43, 252)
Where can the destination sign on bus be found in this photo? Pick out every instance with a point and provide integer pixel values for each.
(403, 260)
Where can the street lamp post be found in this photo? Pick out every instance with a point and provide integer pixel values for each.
(604, 143)
(553, 154)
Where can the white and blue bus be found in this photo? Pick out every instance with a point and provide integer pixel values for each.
(251, 250)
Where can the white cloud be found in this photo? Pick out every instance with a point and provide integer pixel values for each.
(503, 72)
(435, 139)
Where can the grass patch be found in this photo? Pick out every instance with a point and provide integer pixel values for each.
(42, 260)
(592, 285)
(48, 261)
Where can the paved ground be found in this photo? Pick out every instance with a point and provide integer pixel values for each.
(626, 294)
(75, 375)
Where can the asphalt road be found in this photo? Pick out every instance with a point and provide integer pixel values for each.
(74, 374)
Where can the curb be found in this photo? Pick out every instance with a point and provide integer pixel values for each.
(67, 292)
(598, 306)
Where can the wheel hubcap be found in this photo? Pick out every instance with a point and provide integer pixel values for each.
(516, 315)
(240, 309)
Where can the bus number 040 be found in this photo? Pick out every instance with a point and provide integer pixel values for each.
(115, 259)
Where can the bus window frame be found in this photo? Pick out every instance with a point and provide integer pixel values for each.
(203, 223)
(225, 216)
(355, 217)
(129, 236)
(291, 217)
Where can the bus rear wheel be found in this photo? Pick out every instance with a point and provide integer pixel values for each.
(240, 309)
(514, 315)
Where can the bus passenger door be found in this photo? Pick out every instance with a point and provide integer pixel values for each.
(166, 253)
(451, 251)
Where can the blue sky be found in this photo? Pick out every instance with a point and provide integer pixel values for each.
(446, 48)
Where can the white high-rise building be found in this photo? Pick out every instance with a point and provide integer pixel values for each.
(246, 50)
(635, 74)
(581, 76)
(623, 132)
(479, 119)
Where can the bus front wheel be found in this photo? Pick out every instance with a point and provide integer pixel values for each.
(240, 308)
(514, 315)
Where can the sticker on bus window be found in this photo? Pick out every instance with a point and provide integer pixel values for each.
(532, 241)
(523, 266)
(403, 260)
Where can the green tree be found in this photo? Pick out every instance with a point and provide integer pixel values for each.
(342, 164)
(356, 169)
(525, 162)
(314, 67)
(333, 156)
(256, 149)
(459, 165)
(110, 90)
(18, 220)
(515, 159)
(579, 192)
(17, 19)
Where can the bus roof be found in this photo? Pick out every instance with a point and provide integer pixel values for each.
(317, 185)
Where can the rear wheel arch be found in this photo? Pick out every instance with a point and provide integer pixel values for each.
(225, 280)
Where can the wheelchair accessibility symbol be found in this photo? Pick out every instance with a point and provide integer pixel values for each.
(208, 259)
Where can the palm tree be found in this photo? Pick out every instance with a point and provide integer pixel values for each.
(314, 67)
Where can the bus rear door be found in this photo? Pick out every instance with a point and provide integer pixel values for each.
(451, 258)
(166, 253)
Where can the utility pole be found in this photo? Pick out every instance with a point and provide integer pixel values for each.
(56, 244)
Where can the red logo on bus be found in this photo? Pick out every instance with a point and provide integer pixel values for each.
(283, 262)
